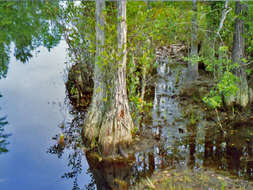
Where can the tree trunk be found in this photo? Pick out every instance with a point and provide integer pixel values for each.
(193, 67)
(109, 121)
(242, 96)
(96, 110)
(117, 123)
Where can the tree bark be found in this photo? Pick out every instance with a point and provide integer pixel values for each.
(193, 67)
(117, 123)
(96, 109)
(242, 96)
(225, 11)
(108, 121)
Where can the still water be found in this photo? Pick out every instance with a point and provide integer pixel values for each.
(33, 103)
(37, 109)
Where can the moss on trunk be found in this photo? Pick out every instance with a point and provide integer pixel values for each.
(108, 120)
(242, 96)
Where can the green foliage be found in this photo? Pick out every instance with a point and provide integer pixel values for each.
(153, 24)
(78, 22)
(227, 84)
(150, 25)
(134, 130)
(213, 100)
(193, 59)
(193, 119)
(249, 35)
(226, 81)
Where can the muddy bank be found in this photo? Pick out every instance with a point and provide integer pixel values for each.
(185, 179)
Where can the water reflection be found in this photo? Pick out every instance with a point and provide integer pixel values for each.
(27, 25)
(3, 135)
(105, 174)
(196, 142)
(173, 141)
(111, 174)
(170, 140)
(24, 26)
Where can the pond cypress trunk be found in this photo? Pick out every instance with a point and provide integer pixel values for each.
(117, 123)
(191, 74)
(96, 109)
(193, 66)
(242, 96)
(108, 120)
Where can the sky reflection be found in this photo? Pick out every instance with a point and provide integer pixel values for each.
(33, 101)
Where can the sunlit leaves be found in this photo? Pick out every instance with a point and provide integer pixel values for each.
(226, 81)
(213, 100)
(226, 86)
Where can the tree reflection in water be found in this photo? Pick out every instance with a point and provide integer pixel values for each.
(3, 135)
(104, 174)
(72, 142)
(111, 174)
(27, 25)
(176, 142)
(216, 151)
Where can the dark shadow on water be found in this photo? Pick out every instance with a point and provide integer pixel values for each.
(111, 174)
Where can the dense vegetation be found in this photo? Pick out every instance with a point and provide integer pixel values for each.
(114, 73)
(217, 37)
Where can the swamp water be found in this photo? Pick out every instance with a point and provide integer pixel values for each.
(33, 101)
(36, 107)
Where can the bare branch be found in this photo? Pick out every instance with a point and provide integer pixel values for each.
(225, 11)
